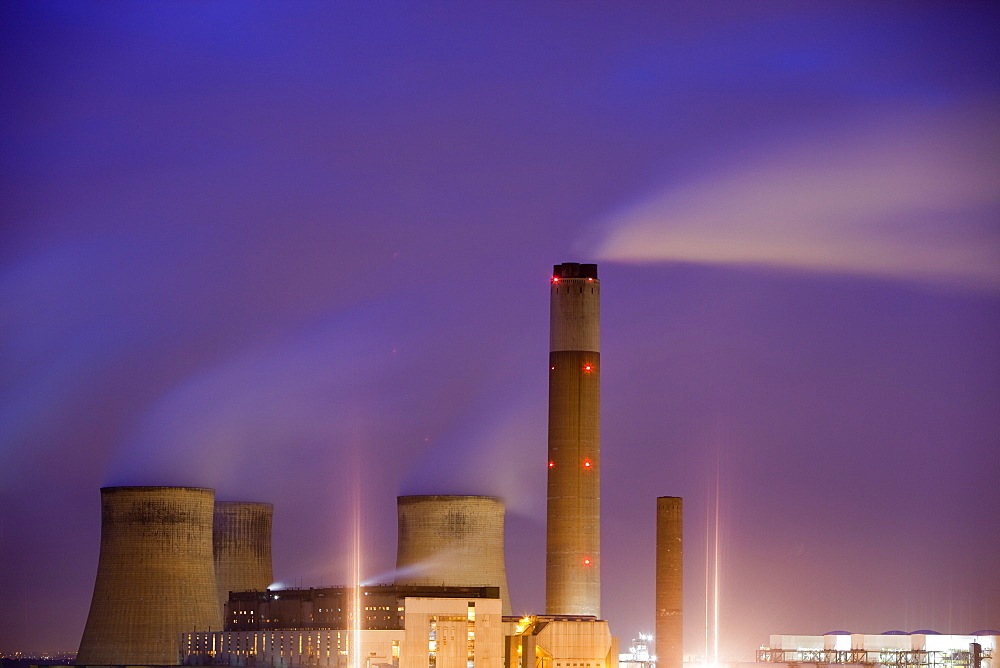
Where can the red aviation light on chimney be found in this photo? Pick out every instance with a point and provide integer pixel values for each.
(552, 464)
(586, 561)
(588, 367)
(586, 463)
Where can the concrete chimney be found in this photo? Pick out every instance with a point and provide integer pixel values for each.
(155, 576)
(573, 526)
(669, 582)
(452, 540)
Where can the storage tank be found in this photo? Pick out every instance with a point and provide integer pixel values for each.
(241, 539)
(452, 540)
(155, 575)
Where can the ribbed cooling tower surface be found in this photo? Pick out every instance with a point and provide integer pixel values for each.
(452, 540)
(155, 576)
(241, 540)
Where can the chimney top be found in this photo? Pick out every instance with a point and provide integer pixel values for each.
(574, 270)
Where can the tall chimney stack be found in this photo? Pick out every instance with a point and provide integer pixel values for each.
(669, 582)
(573, 526)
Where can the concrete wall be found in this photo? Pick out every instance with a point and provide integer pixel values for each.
(459, 630)
(452, 540)
(155, 576)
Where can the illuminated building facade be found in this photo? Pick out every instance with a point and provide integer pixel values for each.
(573, 522)
(381, 606)
(458, 628)
(638, 654)
(561, 641)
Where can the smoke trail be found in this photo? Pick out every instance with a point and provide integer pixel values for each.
(897, 196)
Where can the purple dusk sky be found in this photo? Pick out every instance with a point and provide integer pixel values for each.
(257, 246)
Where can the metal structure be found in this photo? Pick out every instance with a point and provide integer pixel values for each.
(155, 576)
(456, 541)
(573, 524)
(895, 658)
(241, 547)
(669, 582)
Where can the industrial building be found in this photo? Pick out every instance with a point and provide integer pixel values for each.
(380, 606)
(894, 649)
(560, 641)
(397, 627)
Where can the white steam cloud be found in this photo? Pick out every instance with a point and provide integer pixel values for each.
(914, 199)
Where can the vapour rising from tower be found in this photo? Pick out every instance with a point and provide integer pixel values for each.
(669, 582)
(573, 525)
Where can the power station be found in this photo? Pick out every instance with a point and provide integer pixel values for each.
(184, 579)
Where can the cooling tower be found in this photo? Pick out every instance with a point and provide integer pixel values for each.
(669, 582)
(452, 540)
(155, 576)
(573, 525)
(241, 540)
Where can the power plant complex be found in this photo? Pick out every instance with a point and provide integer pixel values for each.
(184, 578)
